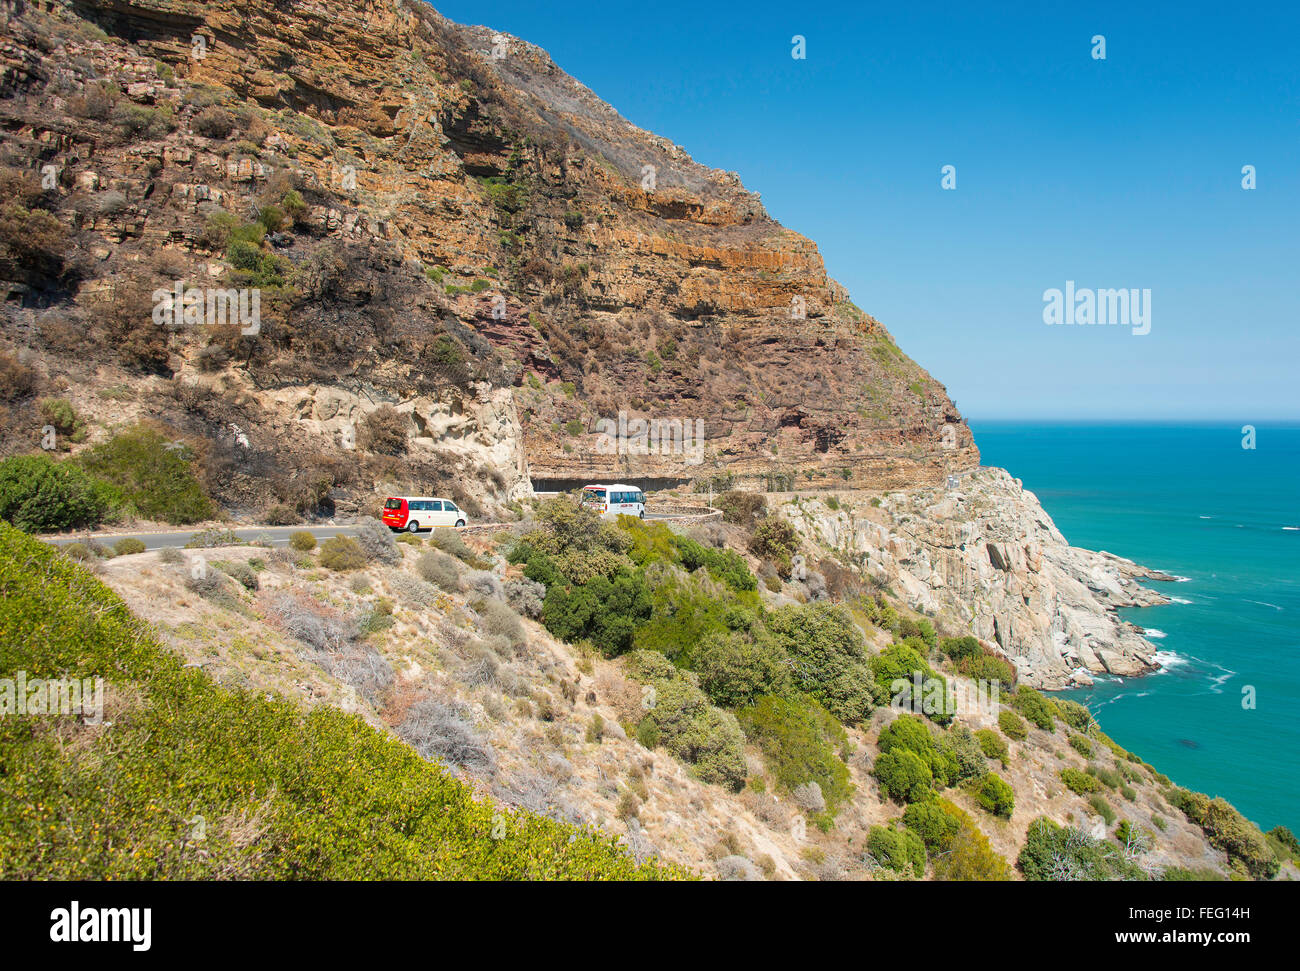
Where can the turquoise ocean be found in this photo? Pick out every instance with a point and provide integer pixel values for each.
(1222, 717)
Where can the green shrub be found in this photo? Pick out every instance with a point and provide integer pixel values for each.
(604, 610)
(996, 796)
(896, 670)
(910, 733)
(957, 848)
(1107, 777)
(1283, 841)
(647, 733)
(129, 546)
(741, 508)
(302, 541)
(254, 266)
(140, 121)
(1229, 831)
(1012, 726)
(899, 850)
(1074, 714)
(1035, 707)
(1102, 808)
(962, 753)
(933, 824)
(1081, 745)
(78, 551)
(775, 540)
(725, 565)
(38, 494)
(1052, 852)
(63, 418)
(959, 648)
(1080, 783)
(686, 611)
(829, 657)
(987, 668)
(241, 573)
(272, 217)
(919, 628)
(682, 720)
(452, 542)
(798, 739)
(334, 799)
(903, 776)
(993, 746)
(736, 668)
(153, 476)
(342, 553)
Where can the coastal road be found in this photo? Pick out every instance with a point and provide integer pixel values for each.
(278, 535)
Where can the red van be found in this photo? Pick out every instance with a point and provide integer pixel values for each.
(414, 513)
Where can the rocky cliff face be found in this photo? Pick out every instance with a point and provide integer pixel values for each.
(447, 213)
(984, 556)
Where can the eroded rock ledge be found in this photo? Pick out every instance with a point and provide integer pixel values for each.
(987, 557)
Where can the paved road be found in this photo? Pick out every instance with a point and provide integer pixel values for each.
(279, 535)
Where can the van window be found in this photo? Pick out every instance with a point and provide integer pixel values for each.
(435, 506)
(393, 504)
(450, 506)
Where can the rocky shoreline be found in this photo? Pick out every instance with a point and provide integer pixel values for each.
(986, 556)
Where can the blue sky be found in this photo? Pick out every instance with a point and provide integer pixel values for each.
(1124, 172)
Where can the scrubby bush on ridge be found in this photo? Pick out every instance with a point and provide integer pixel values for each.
(798, 739)
(39, 494)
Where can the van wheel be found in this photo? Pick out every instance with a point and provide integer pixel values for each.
(460, 522)
(412, 527)
(640, 515)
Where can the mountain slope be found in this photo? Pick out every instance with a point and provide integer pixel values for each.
(469, 239)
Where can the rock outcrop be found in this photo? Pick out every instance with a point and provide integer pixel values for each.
(984, 556)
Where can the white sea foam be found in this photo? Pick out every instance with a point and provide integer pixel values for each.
(1153, 633)
(1179, 600)
(1216, 683)
(1168, 660)
(1291, 529)
(1264, 603)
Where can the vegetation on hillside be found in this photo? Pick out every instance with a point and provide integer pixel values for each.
(185, 779)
